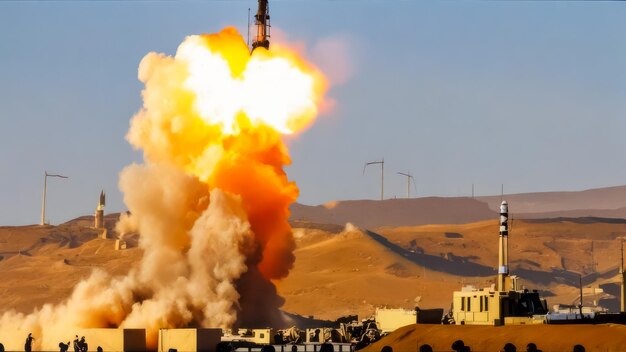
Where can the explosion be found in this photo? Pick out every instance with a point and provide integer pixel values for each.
(211, 200)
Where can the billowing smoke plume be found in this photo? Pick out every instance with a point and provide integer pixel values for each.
(211, 200)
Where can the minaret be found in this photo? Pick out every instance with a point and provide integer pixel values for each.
(99, 215)
(503, 250)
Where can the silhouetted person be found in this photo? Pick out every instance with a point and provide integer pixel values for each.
(1, 347)
(531, 347)
(426, 348)
(509, 347)
(386, 349)
(294, 348)
(268, 348)
(83, 345)
(76, 344)
(99, 349)
(28, 345)
(459, 346)
(64, 347)
(224, 347)
(327, 347)
(579, 348)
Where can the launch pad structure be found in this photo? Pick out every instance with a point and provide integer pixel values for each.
(503, 303)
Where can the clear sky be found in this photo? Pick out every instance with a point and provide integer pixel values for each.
(529, 94)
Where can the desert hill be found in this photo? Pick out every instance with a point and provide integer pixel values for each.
(341, 270)
(349, 272)
(431, 261)
(607, 202)
(608, 198)
(395, 212)
(41, 264)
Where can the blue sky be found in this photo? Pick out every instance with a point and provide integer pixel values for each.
(529, 94)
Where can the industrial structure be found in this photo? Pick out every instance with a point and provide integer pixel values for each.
(262, 23)
(503, 303)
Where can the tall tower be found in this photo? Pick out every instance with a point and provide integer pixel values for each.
(503, 248)
(623, 278)
(262, 22)
(99, 215)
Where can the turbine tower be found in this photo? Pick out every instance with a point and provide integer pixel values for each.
(409, 178)
(43, 205)
(382, 175)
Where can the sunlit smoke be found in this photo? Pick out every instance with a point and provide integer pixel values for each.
(211, 200)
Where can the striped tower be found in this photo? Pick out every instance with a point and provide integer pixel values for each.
(503, 250)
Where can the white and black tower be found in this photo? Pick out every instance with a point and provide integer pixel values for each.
(503, 249)
(99, 214)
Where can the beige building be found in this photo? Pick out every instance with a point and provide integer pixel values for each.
(389, 320)
(111, 340)
(486, 306)
(189, 340)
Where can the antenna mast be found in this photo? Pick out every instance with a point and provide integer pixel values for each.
(382, 175)
(248, 42)
(623, 278)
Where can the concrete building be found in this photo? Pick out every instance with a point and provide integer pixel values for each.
(189, 340)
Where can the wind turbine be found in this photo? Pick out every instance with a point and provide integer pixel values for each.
(43, 206)
(409, 178)
(382, 175)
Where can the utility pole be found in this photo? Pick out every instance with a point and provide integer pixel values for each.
(622, 278)
(382, 175)
(248, 27)
(580, 306)
(409, 178)
(593, 262)
(43, 205)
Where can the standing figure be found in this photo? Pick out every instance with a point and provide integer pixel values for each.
(28, 345)
(76, 344)
(83, 344)
(63, 347)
